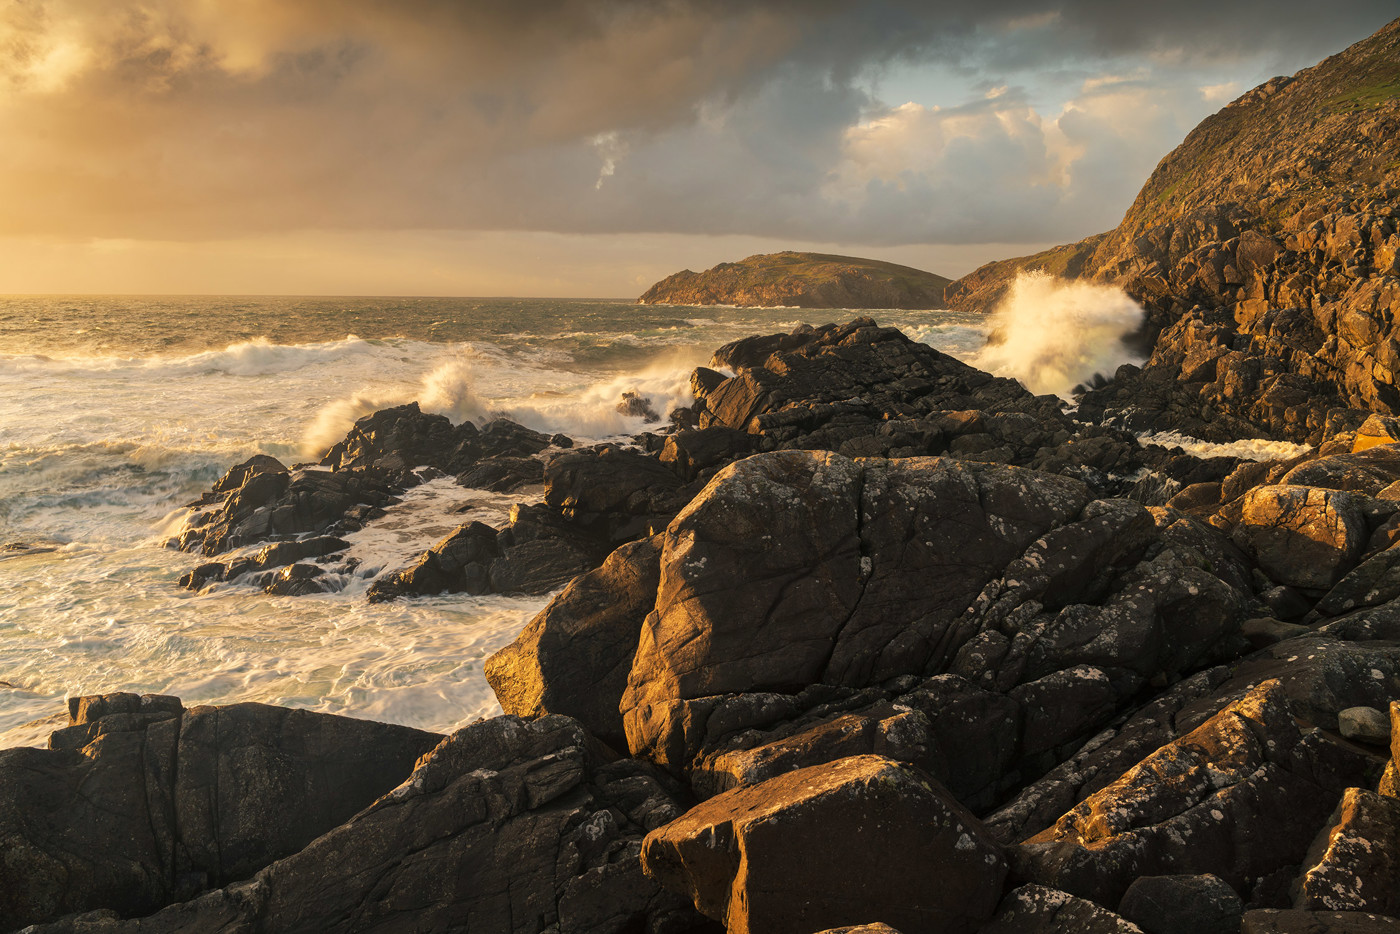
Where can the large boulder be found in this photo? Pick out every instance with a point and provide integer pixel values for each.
(574, 657)
(831, 845)
(1302, 536)
(796, 568)
(140, 802)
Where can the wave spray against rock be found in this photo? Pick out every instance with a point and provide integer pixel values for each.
(1054, 334)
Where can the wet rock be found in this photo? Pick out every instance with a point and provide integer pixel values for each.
(1301, 536)
(746, 856)
(1354, 865)
(619, 493)
(635, 405)
(399, 438)
(1201, 904)
(140, 803)
(1036, 909)
(574, 657)
(460, 563)
(296, 580)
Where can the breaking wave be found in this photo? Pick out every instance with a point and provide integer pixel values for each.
(1054, 334)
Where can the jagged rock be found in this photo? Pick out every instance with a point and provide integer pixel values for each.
(1036, 909)
(1368, 471)
(635, 405)
(1101, 760)
(1200, 804)
(505, 825)
(574, 657)
(694, 452)
(139, 803)
(1201, 904)
(764, 858)
(1354, 864)
(1302, 536)
(272, 505)
(620, 492)
(1287, 921)
(399, 438)
(1376, 430)
(296, 580)
(771, 579)
(796, 569)
(1373, 582)
(460, 563)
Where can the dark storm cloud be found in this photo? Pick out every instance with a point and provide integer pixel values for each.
(173, 120)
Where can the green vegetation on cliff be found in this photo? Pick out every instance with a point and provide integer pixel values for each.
(806, 280)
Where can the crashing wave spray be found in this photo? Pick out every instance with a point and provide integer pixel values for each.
(446, 391)
(1054, 334)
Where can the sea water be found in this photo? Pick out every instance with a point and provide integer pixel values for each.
(116, 412)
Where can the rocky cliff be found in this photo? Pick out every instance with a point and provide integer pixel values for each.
(1265, 249)
(806, 280)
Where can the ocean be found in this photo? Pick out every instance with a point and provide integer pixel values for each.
(115, 412)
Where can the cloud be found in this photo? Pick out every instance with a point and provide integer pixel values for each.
(170, 119)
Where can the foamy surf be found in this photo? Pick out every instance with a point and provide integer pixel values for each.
(117, 412)
(1054, 334)
(1250, 449)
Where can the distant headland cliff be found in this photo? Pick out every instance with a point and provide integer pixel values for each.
(805, 280)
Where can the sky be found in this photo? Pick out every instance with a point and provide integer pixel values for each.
(590, 147)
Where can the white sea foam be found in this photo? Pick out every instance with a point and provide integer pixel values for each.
(1252, 449)
(1054, 334)
(97, 454)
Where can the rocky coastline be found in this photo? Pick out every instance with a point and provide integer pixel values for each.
(863, 640)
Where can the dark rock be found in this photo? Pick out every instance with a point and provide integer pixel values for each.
(296, 580)
(574, 657)
(140, 803)
(460, 563)
(1354, 864)
(1035, 909)
(1182, 905)
(1200, 804)
(619, 493)
(635, 405)
(747, 856)
(504, 826)
(1276, 921)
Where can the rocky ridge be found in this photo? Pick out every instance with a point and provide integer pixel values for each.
(804, 280)
(1264, 249)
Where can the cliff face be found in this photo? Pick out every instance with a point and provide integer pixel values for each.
(806, 280)
(1265, 250)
